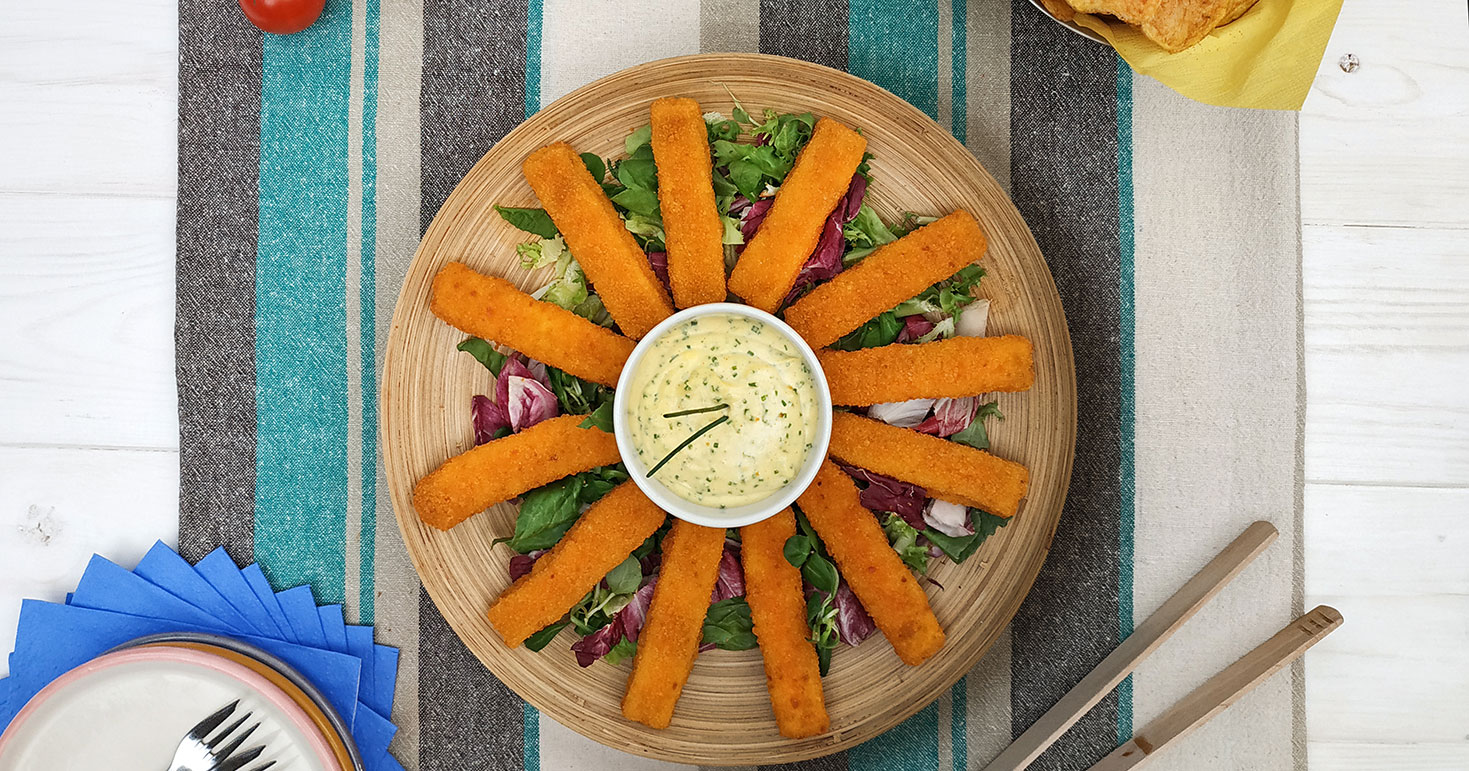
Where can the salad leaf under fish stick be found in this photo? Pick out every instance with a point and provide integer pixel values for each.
(492, 308)
(694, 234)
(895, 272)
(947, 470)
(778, 608)
(501, 469)
(606, 533)
(669, 640)
(887, 589)
(612, 260)
(770, 263)
(959, 366)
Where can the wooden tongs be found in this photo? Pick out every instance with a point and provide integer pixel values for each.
(1206, 701)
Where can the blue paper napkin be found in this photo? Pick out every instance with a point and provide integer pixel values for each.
(164, 593)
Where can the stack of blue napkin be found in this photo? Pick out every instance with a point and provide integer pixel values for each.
(164, 593)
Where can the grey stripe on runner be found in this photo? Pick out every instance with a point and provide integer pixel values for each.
(814, 30)
(729, 25)
(471, 720)
(987, 86)
(472, 94)
(396, 604)
(1063, 164)
(214, 333)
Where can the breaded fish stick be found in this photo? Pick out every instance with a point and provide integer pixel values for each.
(694, 234)
(957, 367)
(603, 537)
(771, 261)
(616, 266)
(492, 308)
(778, 608)
(947, 470)
(895, 272)
(670, 637)
(500, 470)
(876, 574)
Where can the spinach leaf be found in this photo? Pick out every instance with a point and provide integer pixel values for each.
(638, 174)
(820, 573)
(797, 549)
(601, 417)
(960, 548)
(484, 353)
(600, 481)
(727, 625)
(622, 651)
(624, 578)
(535, 221)
(544, 637)
(880, 331)
(546, 513)
(595, 166)
(638, 199)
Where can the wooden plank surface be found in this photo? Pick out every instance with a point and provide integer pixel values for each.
(87, 127)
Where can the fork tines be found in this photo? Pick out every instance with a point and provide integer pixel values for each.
(229, 757)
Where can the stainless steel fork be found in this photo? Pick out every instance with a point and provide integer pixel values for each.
(199, 752)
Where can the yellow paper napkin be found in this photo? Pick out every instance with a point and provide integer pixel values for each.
(1265, 59)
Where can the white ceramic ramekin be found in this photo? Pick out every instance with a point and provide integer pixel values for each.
(712, 516)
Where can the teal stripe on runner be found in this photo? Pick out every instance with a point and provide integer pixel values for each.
(534, 20)
(911, 746)
(1126, 314)
(897, 47)
(959, 736)
(368, 321)
(959, 93)
(300, 299)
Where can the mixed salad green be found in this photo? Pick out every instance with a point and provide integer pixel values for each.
(751, 157)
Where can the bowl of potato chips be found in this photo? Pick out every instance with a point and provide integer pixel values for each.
(1173, 25)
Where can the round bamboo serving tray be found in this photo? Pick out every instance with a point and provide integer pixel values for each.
(724, 717)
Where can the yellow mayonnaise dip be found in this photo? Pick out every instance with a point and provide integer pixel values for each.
(769, 397)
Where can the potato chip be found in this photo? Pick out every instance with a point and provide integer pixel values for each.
(1059, 9)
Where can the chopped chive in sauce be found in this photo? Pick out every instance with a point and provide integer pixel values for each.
(686, 443)
(695, 411)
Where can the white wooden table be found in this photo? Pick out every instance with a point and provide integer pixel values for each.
(88, 423)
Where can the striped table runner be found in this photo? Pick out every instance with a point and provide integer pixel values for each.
(309, 165)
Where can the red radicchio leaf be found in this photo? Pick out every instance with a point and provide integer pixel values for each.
(883, 493)
(826, 261)
(853, 623)
(521, 564)
(731, 582)
(595, 645)
(950, 416)
(513, 367)
(738, 205)
(660, 266)
(489, 417)
(914, 327)
(754, 217)
(632, 616)
(529, 403)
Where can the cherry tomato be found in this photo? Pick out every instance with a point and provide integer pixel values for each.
(282, 17)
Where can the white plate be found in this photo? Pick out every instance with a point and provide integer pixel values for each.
(129, 709)
(1071, 25)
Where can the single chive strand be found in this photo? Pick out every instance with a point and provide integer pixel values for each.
(682, 413)
(686, 443)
